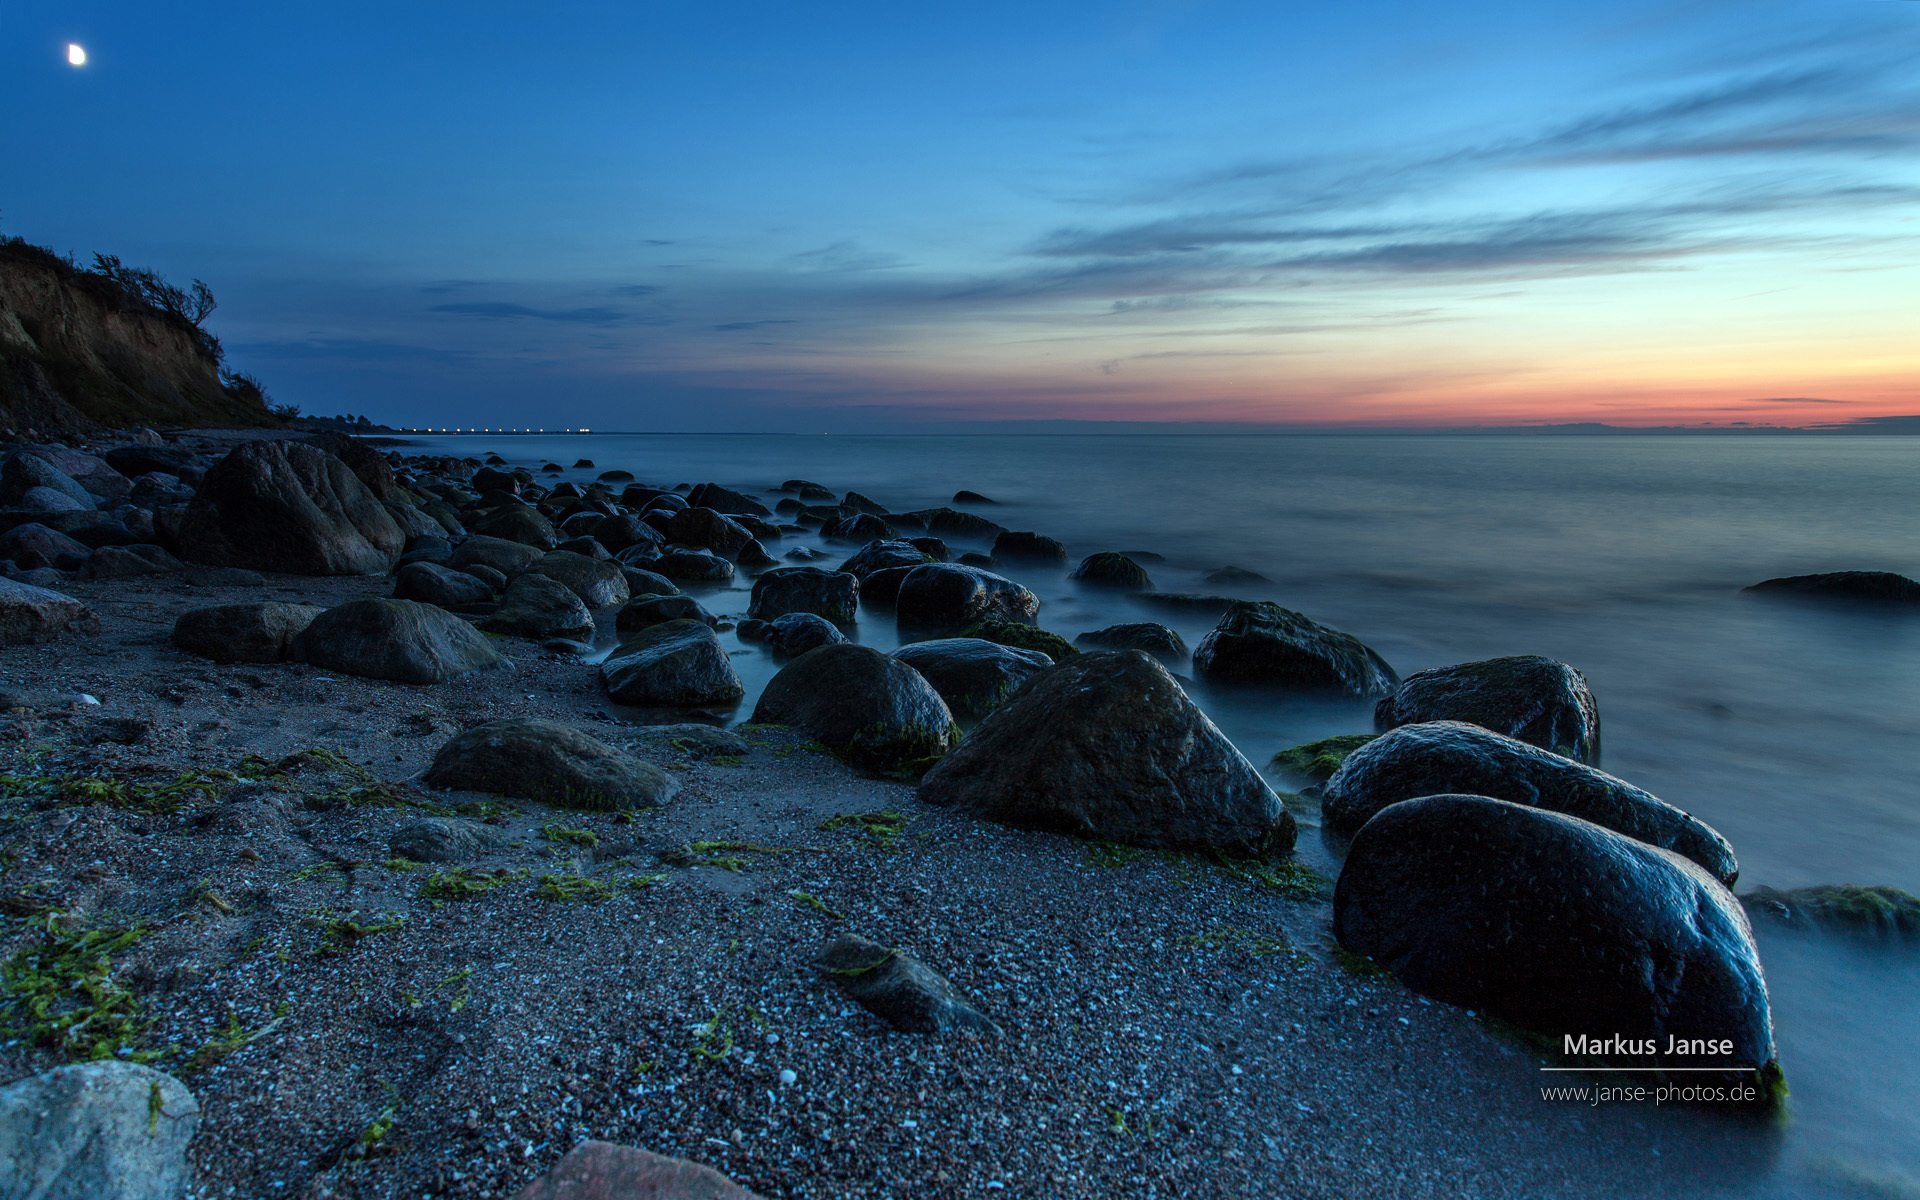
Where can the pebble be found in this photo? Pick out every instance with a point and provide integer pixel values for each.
(788, 1078)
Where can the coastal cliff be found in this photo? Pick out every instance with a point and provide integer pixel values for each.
(79, 352)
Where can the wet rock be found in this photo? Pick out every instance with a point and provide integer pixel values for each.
(1451, 756)
(490, 479)
(1187, 602)
(1258, 642)
(494, 580)
(898, 988)
(96, 1131)
(401, 640)
(688, 567)
(444, 840)
(705, 527)
(1021, 636)
(647, 583)
(432, 549)
(44, 499)
(880, 589)
(935, 549)
(951, 522)
(21, 473)
(1107, 745)
(859, 503)
(35, 545)
(754, 557)
(794, 634)
(536, 607)
(1158, 640)
(701, 741)
(881, 555)
(1232, 575)
(618, 533)
(1318, 760)
(857, 527)
(135, 461)
(1029, 547)
(725, 500)
(544, 760)
(516, 523)
(645, 611)
(603, 1171)
(947, 597)
(507, 557)
(1525, 696)
(964, 496)
(40, 577)
(874, 711)
(1885, 913)
(285, 506)
(1555, 924)
(158, 488)
(597, 582)
(256, 632)
(833, 595)
(971, 674)
(431, 584)
(1110, 570)
(678, 664)
(1883, 586)
(32, 615)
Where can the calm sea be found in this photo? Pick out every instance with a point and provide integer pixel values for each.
(1790, 727)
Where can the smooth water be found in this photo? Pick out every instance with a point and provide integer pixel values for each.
(1789, 726)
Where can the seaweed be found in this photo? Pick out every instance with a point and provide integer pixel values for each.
(60, 991)
(573, 889)
(818, 905)
(882, 827)
(463, 883)
(1319, 760)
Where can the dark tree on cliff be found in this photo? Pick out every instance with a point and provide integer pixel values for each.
(192, 305)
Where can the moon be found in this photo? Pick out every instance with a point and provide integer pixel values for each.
(76, 54)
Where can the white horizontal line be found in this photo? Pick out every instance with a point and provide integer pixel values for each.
(1600, 1069)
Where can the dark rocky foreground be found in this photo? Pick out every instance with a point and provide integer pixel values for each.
(413, 910)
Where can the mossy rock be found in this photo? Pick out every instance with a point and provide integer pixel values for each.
(1022, 637)
(1319, 760)
(1888, 913)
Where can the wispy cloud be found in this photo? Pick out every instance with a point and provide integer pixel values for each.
(740, 326)
(502, 310)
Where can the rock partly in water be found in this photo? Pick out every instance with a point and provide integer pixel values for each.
(1319, 760)
(401, 640)
(1107, 745)
(1156, 639)
(1556, 925)
(834, 595)
(872, 710)
(1886, 913)
(235, 633)
(32, 615)
(974, 676)
(944, 598)
(1022, 636)
(508, 558)
(603, 1171)
(1029, 547)
(898, 988)
(675, 664)
(96, 1131)
(687, 566)
(444, 840)
(1258, 642)
(598, 582)
(882, 555)
(644, 611)
(1882, 586)
(553, 763)
(708, 529)
(1112, 570)
(516, 523)
(285, 506)
(794, 634)
(1452, 756)
(1525, 696)
(537, 607)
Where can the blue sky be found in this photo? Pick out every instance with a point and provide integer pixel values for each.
(877, 216)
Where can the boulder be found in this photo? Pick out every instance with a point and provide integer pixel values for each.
(487, 575)
(1882, 586)
(91, 472)
(1258, 642)
(794, 634)
(1452, 756)
(96, 1131)
(1156, 639)
(157, 488)
(946, 597)
(705, 527)
(1021, 636)
(400, 640)
(963, 496)
(951, 522)
(880, 589)
(881, 555)
(46, 499)
(1557, 925)
(859, 503)
(1525, 696)
(21, 473)
(1318, 760)
(898, 988)
(537, 608)
(433, 584)
(689, 567)
(598, 582)
(619, 533)
(32, 615)
(677, 664)
(971, 674)
(872, 710)
(647, 583)
(516, 523)
(285, 506)
(35, 545)
(127, 562)
(603, 1171)
(935, 549)
(1107, 745)
(135, 461)
(444, 840)
(724, 500)
(834, 595)
(367, 463)
(1884, 913)
(1232, 575)
(1029, 547)
(506, 557)
(645, 611)
(754, 557)
(1110, 570)
(543, 760)
(857, 527)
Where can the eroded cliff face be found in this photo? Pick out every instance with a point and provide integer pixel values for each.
(78, 354)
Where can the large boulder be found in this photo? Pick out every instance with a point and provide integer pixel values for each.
(431, 583)
(544, 760)
(1452, 756)
(598, 582)
(604, 1171)
(951, 522)
(973, 675)
(947, 597)
(506, 557)
(725, 500)
(367, 463)
(46, 499)
(31, 615)
(794, 634)
(644, 611)
(1161, 641)
(128, 562)
(834, 595)
(707, 528)
(1525, 696)
(537, 608)
(1557, 925)
(1111, 569)
(857, 527)
(686, 566)
(1029, 547)
(1107, 745)
(286, 506)
(883, 555)
(96, 1131)
(32, 544)
(22, 472)
(1258, 642)
(234, 633)
(1882, 586)
(872, 710)
(516, 523)
(675, 664)
(625, 531)
(400, 640)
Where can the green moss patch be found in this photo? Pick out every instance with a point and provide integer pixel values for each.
(1022, 637)
(60, 991)
(1319, 760)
